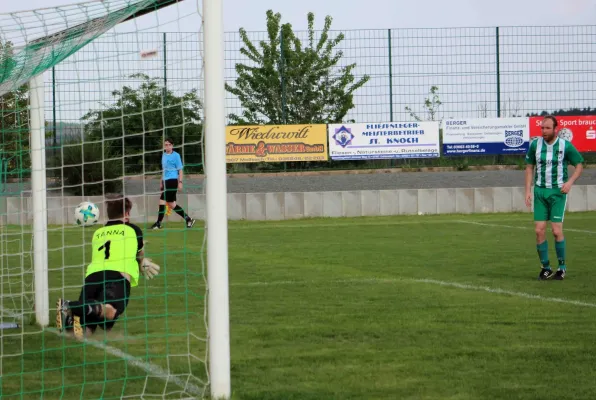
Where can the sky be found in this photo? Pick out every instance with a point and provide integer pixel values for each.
(374, 14)
(540, 68)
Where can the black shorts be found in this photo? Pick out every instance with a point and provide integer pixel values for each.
(107, 287)
(170, 190)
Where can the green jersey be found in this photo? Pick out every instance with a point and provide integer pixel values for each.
(115, 248)
(551, 161)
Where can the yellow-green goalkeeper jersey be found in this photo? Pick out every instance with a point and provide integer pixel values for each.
(551, 161)
(115, 248)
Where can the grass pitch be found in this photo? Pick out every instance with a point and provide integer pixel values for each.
(420, 307)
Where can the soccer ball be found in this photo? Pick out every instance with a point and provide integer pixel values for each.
(86, 214)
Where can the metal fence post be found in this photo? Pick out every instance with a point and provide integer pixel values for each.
(499, 158)
(2, 175)
(498, 57)
(390, 76)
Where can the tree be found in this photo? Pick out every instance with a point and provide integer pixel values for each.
(136, 123)
(14, 117)
(6, 60)
(431, 104)
(290, 83)
(89, 168)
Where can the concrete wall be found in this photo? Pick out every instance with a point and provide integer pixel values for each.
(279, 206)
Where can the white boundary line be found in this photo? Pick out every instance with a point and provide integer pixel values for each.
(344, 222)
(429, 281)
(503, 291)
(10, 314)
(461, 221)
(153, 370)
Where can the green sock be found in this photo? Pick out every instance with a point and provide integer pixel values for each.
(543, 254)
(560, 248)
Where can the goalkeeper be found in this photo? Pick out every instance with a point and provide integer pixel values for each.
(117, 261)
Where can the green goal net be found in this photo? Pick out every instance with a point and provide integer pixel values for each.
(88, 94)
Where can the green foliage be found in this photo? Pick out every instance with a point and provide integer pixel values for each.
(431, 104)
(14, 119)
(291, 82)
(6, 60)
(90, 168)
(138, 121)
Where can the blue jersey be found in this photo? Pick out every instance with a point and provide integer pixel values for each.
(170, 163)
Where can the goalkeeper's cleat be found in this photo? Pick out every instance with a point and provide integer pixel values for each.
(560, 274)
(77, 328)
(64, 320)
(190, 222)
(545, 273)
(60, 316)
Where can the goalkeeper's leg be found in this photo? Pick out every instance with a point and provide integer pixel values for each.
(71, 315)
(103, 299)
(115, 299)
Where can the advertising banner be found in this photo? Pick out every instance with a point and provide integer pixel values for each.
(384, 140)
(485, 136)
(276, 143)
(579, 130)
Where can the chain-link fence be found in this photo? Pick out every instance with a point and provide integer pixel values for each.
(479, 72)
(462, 72)
(435, 74)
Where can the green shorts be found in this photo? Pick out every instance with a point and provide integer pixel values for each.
(549, 204)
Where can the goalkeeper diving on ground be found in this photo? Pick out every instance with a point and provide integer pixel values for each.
(118, 259)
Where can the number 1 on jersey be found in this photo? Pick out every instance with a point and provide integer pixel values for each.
(106, 246)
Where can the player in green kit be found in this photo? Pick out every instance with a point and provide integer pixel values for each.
(116, 263)
(547, 160)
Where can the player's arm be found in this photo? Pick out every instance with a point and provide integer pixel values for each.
(146, 267)
(530, 163)
(140, 244)
(180, 173)
(579, 168)
(140, 257)
(161, 187)
(575, 158)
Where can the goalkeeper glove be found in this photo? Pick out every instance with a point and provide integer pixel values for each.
(149, 268)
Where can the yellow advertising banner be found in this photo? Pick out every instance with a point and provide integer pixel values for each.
(276, 143)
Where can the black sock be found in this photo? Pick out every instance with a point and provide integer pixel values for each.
(181, 212)
(162, 212)
(79, 309)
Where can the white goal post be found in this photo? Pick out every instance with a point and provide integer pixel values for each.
(217, 217)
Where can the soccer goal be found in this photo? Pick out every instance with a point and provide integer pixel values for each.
(90, 94)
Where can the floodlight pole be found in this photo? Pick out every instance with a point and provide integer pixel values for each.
(38, 193)
(216, 201)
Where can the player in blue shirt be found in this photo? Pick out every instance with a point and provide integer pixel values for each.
(171, 181)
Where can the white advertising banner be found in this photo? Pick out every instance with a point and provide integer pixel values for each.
(485, 136)
(384, 140)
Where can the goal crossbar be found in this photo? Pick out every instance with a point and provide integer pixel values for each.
(21, 62)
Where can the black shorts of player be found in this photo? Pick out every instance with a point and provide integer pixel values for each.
(171, 188)
(107, 287)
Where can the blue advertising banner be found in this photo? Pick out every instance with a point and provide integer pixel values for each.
(486, 136)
